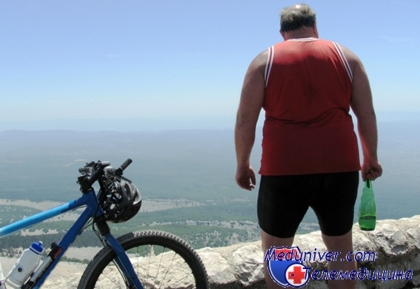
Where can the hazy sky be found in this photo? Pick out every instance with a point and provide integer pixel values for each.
(67, 62)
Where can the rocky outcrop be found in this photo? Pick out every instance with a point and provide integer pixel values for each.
(396, 244)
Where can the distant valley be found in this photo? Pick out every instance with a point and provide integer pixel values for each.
(186, 178)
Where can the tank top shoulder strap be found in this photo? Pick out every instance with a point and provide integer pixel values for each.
(269, 64)
(344, 60)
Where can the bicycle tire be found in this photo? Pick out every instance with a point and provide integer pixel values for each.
(176, 261)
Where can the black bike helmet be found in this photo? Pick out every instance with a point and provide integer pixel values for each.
(120, 201)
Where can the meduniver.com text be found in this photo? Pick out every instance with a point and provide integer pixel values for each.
(274, 254)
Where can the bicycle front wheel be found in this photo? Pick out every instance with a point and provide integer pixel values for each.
(160, 259)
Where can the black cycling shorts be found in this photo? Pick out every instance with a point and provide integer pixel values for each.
(284, 200)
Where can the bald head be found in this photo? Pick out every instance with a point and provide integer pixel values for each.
(297, 17)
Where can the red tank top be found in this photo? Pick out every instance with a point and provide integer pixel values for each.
(308, 128)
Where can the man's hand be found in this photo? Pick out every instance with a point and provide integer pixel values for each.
(371, 170)
(245, 178)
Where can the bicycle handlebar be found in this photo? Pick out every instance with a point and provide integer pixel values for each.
(92, 171)
(120, 170)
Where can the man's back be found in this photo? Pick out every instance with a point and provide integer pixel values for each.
(308, 128)
(307, 79)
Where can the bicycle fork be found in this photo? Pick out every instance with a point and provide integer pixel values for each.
(121, 258)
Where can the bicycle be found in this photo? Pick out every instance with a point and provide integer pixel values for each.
(145, 259)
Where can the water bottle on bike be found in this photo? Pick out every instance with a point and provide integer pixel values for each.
(25, 265)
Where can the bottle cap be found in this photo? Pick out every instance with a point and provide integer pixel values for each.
(36, 247)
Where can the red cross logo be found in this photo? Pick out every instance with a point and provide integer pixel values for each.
(296, 275)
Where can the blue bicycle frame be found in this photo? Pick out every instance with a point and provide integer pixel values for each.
(92, 210)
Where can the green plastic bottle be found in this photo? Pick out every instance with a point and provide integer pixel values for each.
(367, 208)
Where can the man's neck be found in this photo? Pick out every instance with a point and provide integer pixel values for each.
(306, 32)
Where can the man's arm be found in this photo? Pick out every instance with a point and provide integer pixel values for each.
(362, 106)
(251, 102)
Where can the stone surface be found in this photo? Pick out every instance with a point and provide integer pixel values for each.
(395, 242)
